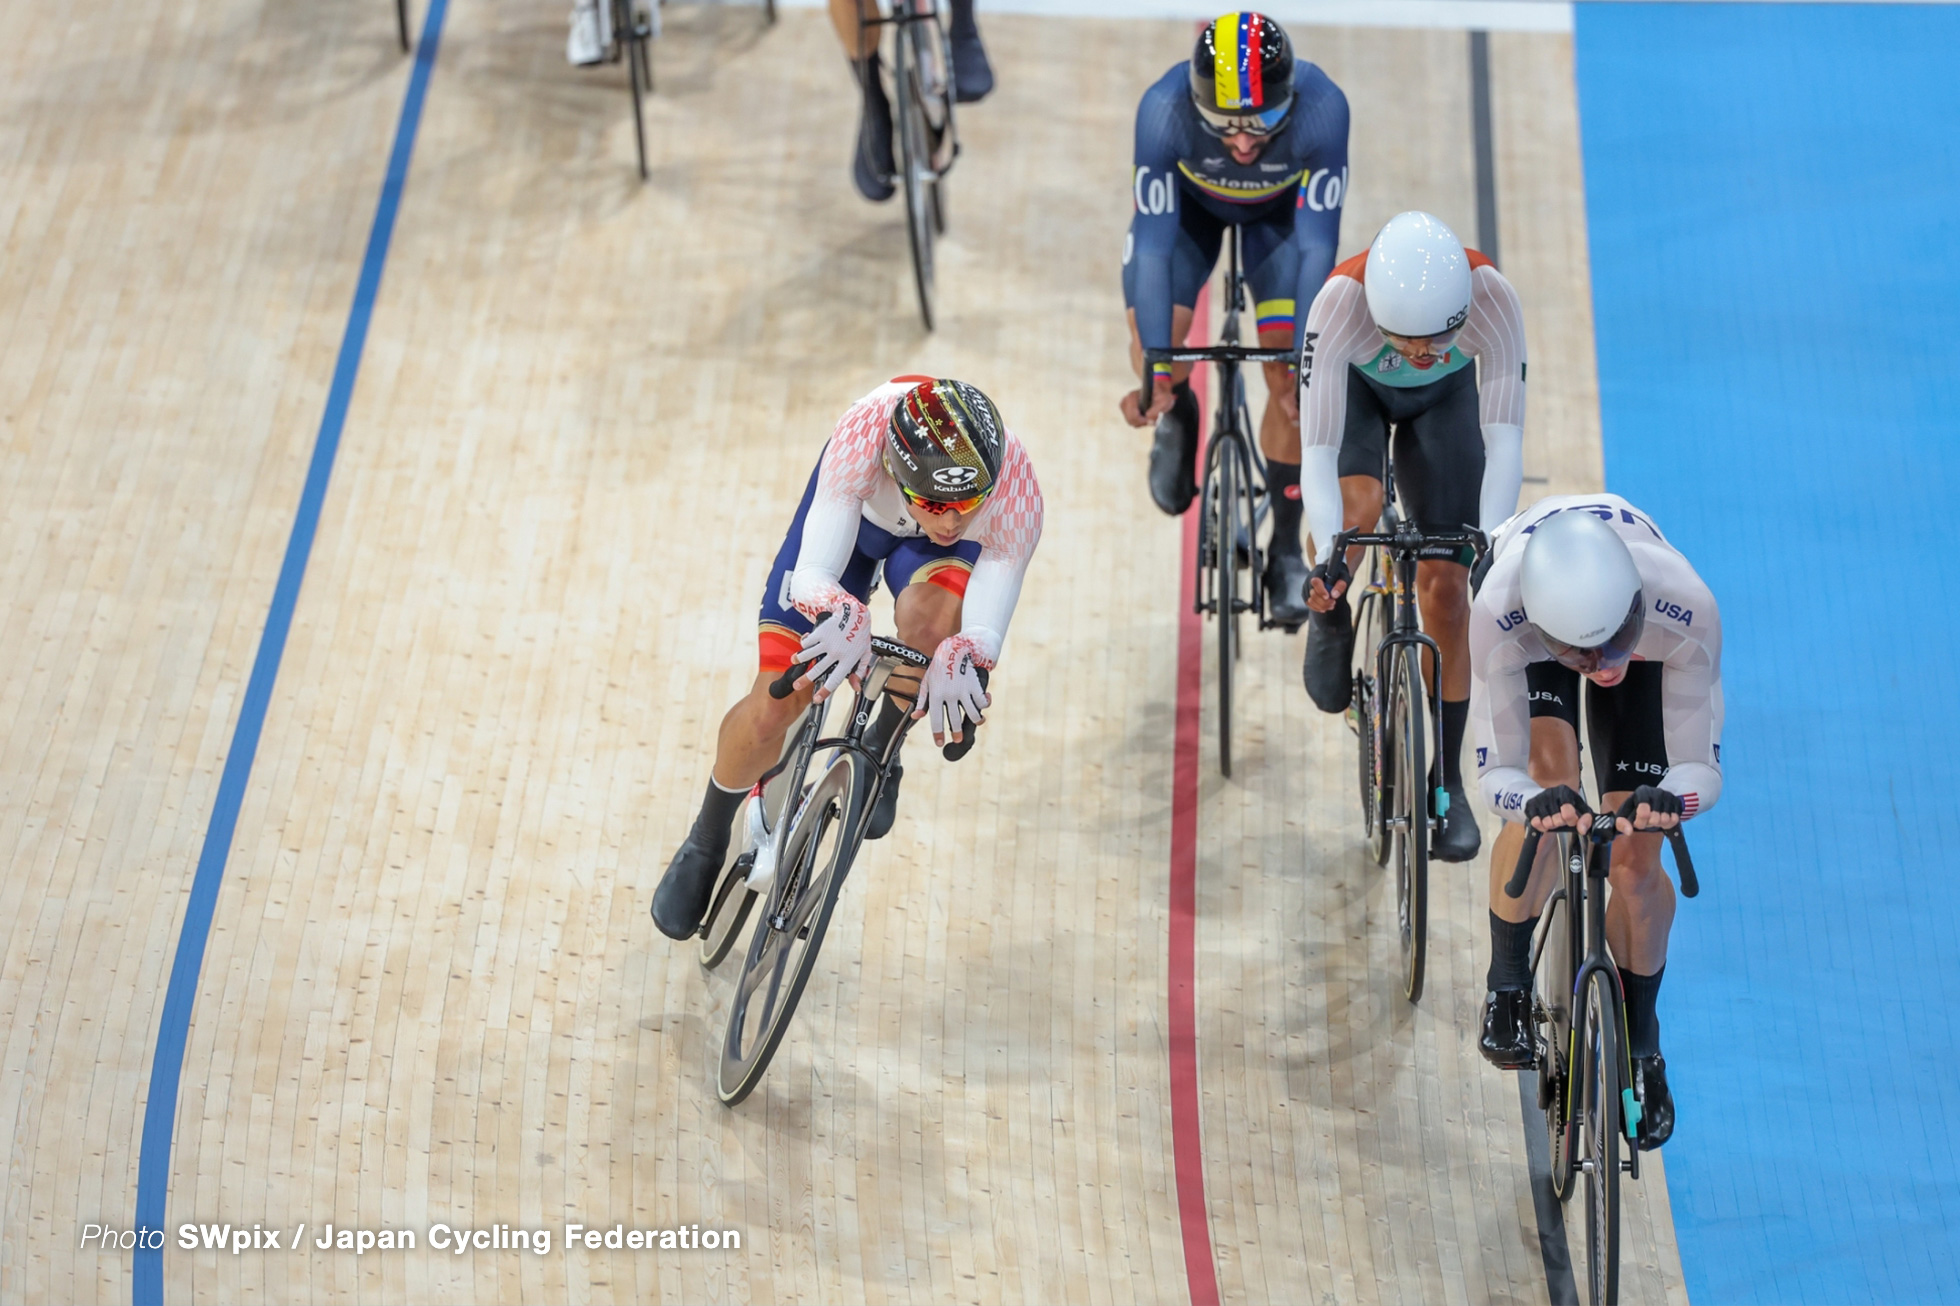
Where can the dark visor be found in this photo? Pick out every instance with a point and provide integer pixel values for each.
(1614, 652)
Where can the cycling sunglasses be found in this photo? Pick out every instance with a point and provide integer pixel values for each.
(938, 506)
(1438, 344)
(1615, 652)
(1220, 123)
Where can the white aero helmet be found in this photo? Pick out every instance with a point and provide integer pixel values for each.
(1581, 591)
(1418, 277)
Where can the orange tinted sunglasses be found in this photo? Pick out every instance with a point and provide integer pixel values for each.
(935, 506)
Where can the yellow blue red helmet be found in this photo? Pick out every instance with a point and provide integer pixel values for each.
(1242, 75)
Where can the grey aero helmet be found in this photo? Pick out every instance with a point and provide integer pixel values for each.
(1581, 591)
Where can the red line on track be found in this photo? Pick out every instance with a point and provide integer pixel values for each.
(1187, 1148)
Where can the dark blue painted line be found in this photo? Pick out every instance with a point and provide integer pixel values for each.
(166, 1067)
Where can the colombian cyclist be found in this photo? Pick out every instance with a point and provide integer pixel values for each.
(923, 477)
(1586, 590)
(872, 167)
(1246, 135)
(1389, 342)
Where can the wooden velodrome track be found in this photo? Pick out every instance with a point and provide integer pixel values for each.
(586, 407)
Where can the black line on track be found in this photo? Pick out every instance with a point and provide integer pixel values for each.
(1486, 159)
(1552, 1245)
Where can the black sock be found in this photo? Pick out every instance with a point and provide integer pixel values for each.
(1455, 716)
(1510, 955)
(1643, 1021)
(1184, 404)
(963, 18)
(713, 824)
(885, 724)
(868, 72)
(1283, 492)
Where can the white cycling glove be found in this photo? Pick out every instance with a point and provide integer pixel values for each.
(951, 694)
(838, 647)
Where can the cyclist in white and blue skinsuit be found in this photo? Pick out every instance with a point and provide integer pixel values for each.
(1586, 592)
(1243, 135)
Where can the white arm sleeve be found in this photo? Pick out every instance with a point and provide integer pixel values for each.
(844, 480)
(1503, 474)
(1007, 541)
(1494, 333)
(1500, 702)
(1691, 709)
(1320, 496)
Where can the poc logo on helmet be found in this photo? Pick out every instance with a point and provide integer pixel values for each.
(955, 478)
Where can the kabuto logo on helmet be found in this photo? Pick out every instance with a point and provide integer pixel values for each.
(955, 478)
(948, 437)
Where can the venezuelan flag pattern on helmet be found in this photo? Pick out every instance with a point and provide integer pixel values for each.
(1238, 80)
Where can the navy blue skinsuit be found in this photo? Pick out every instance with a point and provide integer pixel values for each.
(1186, 188)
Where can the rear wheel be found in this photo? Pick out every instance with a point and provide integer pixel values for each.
(915, 167)
(815, 859)
(1600, 1046)
(1410, 730)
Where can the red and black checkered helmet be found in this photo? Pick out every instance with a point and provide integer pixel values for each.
(945, 442)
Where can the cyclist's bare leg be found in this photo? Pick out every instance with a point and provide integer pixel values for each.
(752, 732)
(1554, 761)
(847, 17)
(1443, 594)
(1160, 399)
(1640, 911)
(926, 615)
(1279, 425)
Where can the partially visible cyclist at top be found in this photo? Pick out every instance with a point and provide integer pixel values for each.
(1587, 596)
(923, 478)
(872, 165)
(1423, 336)
(1244, 134)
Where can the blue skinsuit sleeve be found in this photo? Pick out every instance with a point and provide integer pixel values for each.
(1317, 223)
(1153, 192)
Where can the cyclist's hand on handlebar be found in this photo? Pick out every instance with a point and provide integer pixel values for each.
(950, 694)
(1649, 808)
(1326, 583)
(1160, 403)
(838, 648)
(1556, 808)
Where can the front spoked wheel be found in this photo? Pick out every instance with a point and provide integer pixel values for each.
(815, 859)
(1600, 1046)
(1225, 592)
(1410, 731)
(1551, 982)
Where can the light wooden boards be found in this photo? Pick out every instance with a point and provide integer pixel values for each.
(586, 409)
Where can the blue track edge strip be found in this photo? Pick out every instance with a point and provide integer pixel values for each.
(166, 1068)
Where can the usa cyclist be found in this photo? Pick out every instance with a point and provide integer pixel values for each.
(1389, 342)
(922, 476)
(1244, 134)
(1587, 599)
(872, 168)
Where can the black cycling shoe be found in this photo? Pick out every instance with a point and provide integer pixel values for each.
(682, 898)
(1286, 587)
(1506, 1040)
(871, 165)
(1458, 839)
(1329, 665)
(1656, 1102)
(1173, 483)
(973, 76)
(886, 812)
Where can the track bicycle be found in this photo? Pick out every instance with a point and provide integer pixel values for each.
(817, 835)
(928, 140)
(1397, 715)
(1585, 1079)
(1232, 497)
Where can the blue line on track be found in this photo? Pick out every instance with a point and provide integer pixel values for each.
(166, 1068)
(1771, 194)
